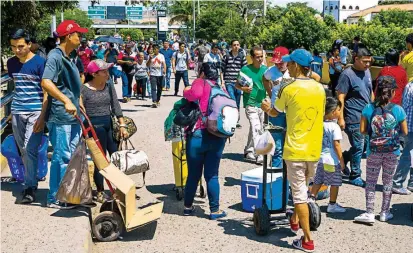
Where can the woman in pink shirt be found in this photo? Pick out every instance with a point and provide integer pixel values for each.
(203, 150)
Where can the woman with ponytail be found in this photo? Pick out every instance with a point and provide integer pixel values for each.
(383, 121)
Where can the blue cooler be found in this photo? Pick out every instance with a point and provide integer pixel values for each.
(251, 190)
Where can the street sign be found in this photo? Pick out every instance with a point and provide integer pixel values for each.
(134, 13)
(134, 8)
(115, 12)
(97, 16)
(93, 12)
(96, 8)
(135, 17)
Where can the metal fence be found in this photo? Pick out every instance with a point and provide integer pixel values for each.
(7, 93)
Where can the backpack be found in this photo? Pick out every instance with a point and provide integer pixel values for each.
(222, 114)
(384, 130)
(187, 115)
(202, 51)
(176, 57)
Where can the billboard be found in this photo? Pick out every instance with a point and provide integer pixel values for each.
(115, 12)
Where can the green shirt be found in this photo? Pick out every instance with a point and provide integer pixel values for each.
(258, 92)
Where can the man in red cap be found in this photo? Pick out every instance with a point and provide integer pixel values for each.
(61, 81)
(272, 82)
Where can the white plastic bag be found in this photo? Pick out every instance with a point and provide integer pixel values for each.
(411, 157)
(265, 144)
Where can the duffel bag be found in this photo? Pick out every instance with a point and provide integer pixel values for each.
(130, 161)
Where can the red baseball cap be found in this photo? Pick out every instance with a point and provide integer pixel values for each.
(278, 53)
(68, 27)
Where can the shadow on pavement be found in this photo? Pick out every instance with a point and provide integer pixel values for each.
(130, 110)
(245, 228)
(144, 233)
(71, 213)
(230, 181)
(236, 157)
(171, 204)
(237, 207)
(179, 96)
(16, 188)
(350, 213)
(403, 214)
(147, 106)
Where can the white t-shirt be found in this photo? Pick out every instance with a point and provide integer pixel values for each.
(275, 76)
(155, 67)
(175, 46)
(180, 60)
(332, 132)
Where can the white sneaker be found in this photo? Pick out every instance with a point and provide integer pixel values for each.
(260, 159)
(365, 218)
(385, 216)
(336, 208)
(250, 157)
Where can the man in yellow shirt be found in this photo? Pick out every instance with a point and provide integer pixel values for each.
(407, 57)
(304, 103)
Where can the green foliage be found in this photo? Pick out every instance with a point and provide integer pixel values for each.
(135, 34)
(149, 33)
(396, 17)
(387, 2)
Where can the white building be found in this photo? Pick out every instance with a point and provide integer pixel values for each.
(368, 14)
(341, 9)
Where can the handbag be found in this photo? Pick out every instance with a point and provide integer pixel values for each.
(130, 124)
(129, 160)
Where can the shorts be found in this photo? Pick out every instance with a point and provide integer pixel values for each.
(298, 174)
(328, 178)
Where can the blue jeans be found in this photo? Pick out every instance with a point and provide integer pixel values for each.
(64, 139)
(127, 87)
(149, 88)
(234, 93)
(279, 137)
(356, 140)
(104, 131)
(114, 71)
(167, 79)
(203, 151)
(404, 164)
(156, 86)
(178, 76)
(28, 143)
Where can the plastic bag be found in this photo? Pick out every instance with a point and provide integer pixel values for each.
(265, 144)
(75, 186)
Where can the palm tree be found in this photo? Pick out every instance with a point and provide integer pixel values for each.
(182, 12)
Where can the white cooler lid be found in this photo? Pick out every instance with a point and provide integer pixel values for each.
(255, 175)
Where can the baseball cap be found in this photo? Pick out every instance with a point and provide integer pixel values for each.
(97, 65)
(301, 56)
(278, 53)
(68, 27)
(386, 82)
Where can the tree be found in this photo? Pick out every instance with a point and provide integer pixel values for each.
(397, 17)
(388, 2)
(135, 34)
(27, 14)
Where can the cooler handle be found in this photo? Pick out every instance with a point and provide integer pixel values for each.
(256, 187)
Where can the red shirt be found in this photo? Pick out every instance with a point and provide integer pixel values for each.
(131, 57)
(400, 75)
(85, 55)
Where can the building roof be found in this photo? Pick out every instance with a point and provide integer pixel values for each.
(378, 8)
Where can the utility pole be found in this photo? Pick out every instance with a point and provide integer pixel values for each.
(199, 9)
(194, 20)
(265, 7)
(53, 25)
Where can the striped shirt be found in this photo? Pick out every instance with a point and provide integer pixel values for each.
(232, 65)
(28, 94)
(407, 105)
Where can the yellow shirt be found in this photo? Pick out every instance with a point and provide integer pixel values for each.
(407, 63)
(304, 103)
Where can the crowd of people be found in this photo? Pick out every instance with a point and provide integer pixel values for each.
(52, 86)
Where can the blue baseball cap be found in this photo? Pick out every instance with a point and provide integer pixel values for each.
(301, 56)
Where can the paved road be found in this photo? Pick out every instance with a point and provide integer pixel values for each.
(175, 233)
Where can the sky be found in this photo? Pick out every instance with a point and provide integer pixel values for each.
(316, 4)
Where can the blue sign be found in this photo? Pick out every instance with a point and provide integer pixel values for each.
(96, 7)
(135, 17)
(115, 12)
(97, 16)
(134, 8)
(92, 12)
(134, 13)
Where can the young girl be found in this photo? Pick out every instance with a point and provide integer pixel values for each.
(331, 162)
(382, 121)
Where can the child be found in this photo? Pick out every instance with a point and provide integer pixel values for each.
(382, 121)
(331, 161)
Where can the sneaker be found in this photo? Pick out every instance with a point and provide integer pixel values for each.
(129, 99)
(239, 126)
(385, 216)
(335, 208)
(154, 105)
(250, 157)
(294, 226)
(358, 182)
(365, 218)
(125, 100)
(163, 89)
(304, 246)
(28, 196)
(67, 206)
(260, 159)
(401, 191)
(189, 211)
(55, 205)
(116, 81)
(158, 104)
(410, 188)
(101, 197)
(215, 216)
(175, 94)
